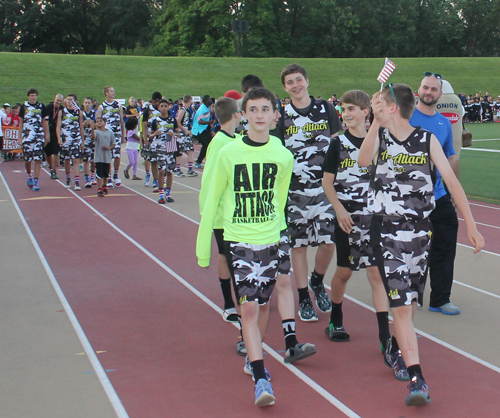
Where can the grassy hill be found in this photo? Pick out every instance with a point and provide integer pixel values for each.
(86, 75)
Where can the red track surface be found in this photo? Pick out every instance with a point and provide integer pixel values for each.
(170, 353)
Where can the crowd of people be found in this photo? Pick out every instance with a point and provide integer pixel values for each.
(280, 178)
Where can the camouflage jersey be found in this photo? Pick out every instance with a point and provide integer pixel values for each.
(164, 125)
(33, 116)
(351, 181)
(70, 126)
(149, 114)
(403, 179)
(87, 131)
(308, 138)
(187, 119)
(111, 115)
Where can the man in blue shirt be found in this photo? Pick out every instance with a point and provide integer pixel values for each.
(443, 217)
(201, 130)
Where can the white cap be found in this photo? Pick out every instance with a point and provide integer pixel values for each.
(446, 87)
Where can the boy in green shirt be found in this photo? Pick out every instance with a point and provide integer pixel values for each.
(251, 179)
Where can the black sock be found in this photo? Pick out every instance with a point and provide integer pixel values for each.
(225, 285)
(316, 278)
(394, 345)
(258, 370)
(241, 328)
(383, 328)
(415, 370)
(303, 294)
(336, 316)
(289, 331)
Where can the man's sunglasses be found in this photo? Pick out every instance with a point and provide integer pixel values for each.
(430, 74)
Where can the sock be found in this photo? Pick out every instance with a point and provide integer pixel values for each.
(110, 179)
(148, 173)
(92, 174)
(161, 192)
(258, 370)
(190, 166)
(87, 178)
(167, 191)
(303, 294)
(77, 179)
(35, 182)
(336, 316)
(383, 328)
(394, 345)
(225, 285)
(241, 328)
(289, 331)
(30, 176)
(177, 167)
(316, 279)
(68, 177)
(415, 370)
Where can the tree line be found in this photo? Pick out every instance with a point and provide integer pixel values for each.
(277, 28)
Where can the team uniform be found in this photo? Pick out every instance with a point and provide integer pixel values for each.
(401, 197)
(71, 134)
(164, 146)
(111, 115)
(185, 141)
(351, 185)
(89, 146)
(310, 216)
(33, 135)
(149, 114)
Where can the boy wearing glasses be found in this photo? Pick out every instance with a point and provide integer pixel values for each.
(401, 197)
(443, 217)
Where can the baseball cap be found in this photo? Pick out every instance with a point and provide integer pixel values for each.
(233, 94)
(8, 104)
(156, 96)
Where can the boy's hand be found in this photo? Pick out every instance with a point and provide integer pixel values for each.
(344, 220)
(377, 105)
(476, 239)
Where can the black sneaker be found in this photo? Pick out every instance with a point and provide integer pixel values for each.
(68, 184)
(306, 311)
(323, 302)
(419, 392)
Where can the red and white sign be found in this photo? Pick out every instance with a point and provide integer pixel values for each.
(10, 137)
(452, 117)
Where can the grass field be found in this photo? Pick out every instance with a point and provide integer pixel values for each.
(86, 75)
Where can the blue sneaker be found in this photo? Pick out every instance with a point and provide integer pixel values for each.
(264, 395)
(447, 309)
(146, 180)
(419, 392)
(248, 370)
(197, 165)
(30, 183)
(395, 362)
(36, 188)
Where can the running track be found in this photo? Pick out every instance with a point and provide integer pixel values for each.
(127, 267)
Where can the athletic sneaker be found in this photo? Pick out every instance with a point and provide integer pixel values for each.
(93, 181)
(197, 165)
(323, 302)
(30, 183)
(419, 392)
(105, 192)
(68, 184)
(248, 370)
(179, 173)
(241, 350)
(396, 363)
(117, 182)
(35, 188)
(230, 315)
(192, 173)
(110, 184)
(169, 199)
(77, 186)
(100, 193)
(264, 395)
(161, 200)
(447, 309)
(146, 180)
(88, 185)
(53, 175)
(306, 311)
(156, 189)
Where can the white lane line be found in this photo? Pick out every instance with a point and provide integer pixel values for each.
(477, 289)
(480, 223)
(306, 379)
(482, 149)
(434, 339)
(479, 140)
(484, 206)
(101, 374)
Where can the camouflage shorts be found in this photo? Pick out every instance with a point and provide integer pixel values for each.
(88, 155)
(72, 150)
(166, 161)
(117, 150)
(185, 144)
(310, 220)
(33, 150)
(401, 248)
(254, 269)
(284, 264)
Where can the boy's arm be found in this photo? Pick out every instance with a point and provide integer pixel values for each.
(98, 113)
(216, 191)
(20, 132)
(122, 125)
(371, 143)
(212, 153)
(82, 132)
(457, 192)
(179, 118)
(58, 129)
(284, 187)
(343, 217)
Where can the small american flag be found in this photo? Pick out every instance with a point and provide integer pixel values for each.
(386, 72)
(76, 108)
(171, 145)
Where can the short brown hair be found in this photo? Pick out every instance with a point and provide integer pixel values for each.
(32, 91)
(105, 90)
(225, 108)
(187, 98)
(259, 93)
(292, 69)
(405, 98)
(357, 98)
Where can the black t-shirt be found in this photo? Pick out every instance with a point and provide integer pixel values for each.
(53, 113)
(132, 110)
(332, 158)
